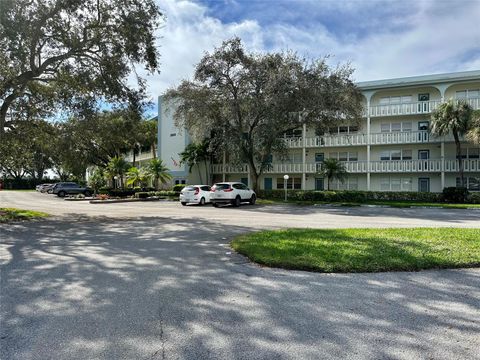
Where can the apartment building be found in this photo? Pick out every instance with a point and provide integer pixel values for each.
(391, 150)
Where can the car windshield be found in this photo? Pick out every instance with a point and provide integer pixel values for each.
(221, 186)
(189, 188)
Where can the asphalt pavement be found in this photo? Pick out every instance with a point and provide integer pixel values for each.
(159, 281)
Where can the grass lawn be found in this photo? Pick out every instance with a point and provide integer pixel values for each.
(11, 214)
(362, 250)
(397, 204)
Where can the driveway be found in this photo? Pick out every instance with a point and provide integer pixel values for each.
(166, 286)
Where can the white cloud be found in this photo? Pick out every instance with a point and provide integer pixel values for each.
(433, 39)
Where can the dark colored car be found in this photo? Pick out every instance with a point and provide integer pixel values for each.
(70, 188)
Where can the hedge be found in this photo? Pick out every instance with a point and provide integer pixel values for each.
(24, 184)
(146, 194)
(350, 196)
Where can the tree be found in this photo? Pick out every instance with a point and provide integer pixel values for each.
(190, 157)
(97, 180)
(453, 116)
(247, 101)
(158, 172)
(117, 166)
(473, 134)
(333, 169)
(57, 54)
(28, 149)
(136, 176)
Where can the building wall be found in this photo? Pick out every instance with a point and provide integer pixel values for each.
(379, 113)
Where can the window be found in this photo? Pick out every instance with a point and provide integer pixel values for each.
(319, 157)
(343, 129)
(423, 97)
(395, 100)
(395, 184)
(352, 184)
(467, 94)
(343, 156)
(471, 183)
(396, 127)
(396, 154)
(293, 133)
(406, 126)
(406, 154)
(407, 184)
(292, 183)
(423, 125)
(385, 128)
(295, 158)
(353, 156)
(385, 184)
(353, 129)
(205, 188)
(184, 182)
(333, 155)
(173, 134)
(385, 155)
(473, 153)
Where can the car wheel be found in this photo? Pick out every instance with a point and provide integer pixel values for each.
(87, 193)
(253, 199)
(202, 201)
(49, 191)
(183, 203)
(61, 194)
(237, 201)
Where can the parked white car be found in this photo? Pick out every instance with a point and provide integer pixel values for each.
(195, 194)
(231, 193)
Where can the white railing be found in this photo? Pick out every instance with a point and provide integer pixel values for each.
(406, 166)
(413, 108)
(407, 137)
(385, 166)
(139, 157)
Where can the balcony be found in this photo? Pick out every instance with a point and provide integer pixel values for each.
(411, 137)
(413, 108)
(362, 167)
(139, 157)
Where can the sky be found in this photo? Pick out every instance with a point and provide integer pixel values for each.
(380, 39)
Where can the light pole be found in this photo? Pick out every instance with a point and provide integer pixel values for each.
(285, 179)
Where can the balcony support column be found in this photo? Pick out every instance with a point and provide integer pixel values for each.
(304, 157)
(442, 156)
(368, 144)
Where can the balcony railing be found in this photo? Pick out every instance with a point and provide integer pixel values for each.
(139, 157)
(410, 137)
(355, 167)
(413, 108)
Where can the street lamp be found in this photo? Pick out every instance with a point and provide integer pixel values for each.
(285, 179)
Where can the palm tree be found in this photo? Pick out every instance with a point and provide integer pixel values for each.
(473, 134)
(136, 176)
(333, 169)
(452, 116)
(118, 166)
(158, 171)
(190, 156)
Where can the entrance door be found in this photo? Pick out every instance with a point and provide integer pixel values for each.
(424, 184)
(244, 181)
(423, 156)
(319, 184)
(267, 183)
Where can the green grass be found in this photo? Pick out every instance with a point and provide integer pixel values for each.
(363, 250)
(397, 204)
(11, 214)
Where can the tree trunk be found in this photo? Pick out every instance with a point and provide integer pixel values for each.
(199, 173)
(328, 183)
(134, 157)
(207, 178)
(459, 157)
(255, 177)
(154, 153)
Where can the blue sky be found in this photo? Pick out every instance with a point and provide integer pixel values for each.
(381, 39)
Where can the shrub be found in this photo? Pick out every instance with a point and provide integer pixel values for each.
(473, 198)
(349, 195)
(121, 193)
(178, 188)
(142, 195)
(455, 194)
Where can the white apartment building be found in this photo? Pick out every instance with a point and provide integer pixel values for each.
(391, 150)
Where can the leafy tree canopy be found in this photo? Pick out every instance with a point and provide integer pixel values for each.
(68, 54)
(247, 101)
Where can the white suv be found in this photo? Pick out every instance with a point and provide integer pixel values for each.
(196, 194)
(231, 193)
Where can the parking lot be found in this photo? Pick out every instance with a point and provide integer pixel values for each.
(157, 280)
